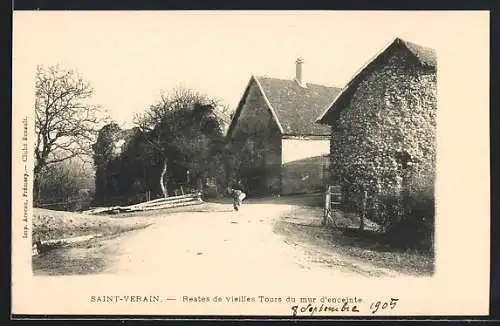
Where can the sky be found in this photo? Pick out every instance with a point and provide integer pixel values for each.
(130, 58)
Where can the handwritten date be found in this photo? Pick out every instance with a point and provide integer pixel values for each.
(383, 305)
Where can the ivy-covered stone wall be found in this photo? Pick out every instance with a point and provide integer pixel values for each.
(385, 139)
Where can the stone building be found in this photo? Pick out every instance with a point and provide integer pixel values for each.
(112, 185)
(384, 121)
(276, 146)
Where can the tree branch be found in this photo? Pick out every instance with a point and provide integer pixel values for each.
(64, 121)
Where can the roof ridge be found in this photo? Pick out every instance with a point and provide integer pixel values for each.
(296, 107)
(415, 44)
(293, 80)
(425, 54)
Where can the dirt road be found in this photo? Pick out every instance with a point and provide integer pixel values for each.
(218, 242)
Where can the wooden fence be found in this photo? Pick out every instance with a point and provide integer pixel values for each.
(160, 203)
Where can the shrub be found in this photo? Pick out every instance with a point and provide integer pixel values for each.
(407, 217)
(419, 209)
(385, 209)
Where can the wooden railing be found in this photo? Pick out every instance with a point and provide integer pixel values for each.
(160, 203)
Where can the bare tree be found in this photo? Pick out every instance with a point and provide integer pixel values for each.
(148, 123)
(176, 121)
(65, 123)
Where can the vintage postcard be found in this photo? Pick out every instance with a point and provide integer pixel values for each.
(250, 163)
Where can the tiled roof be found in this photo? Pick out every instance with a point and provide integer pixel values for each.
(424, 55)
(297, 107)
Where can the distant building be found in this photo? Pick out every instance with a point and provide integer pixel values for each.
(276, 145)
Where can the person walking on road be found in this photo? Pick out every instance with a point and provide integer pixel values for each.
(238, 196)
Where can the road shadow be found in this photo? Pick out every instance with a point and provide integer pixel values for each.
(308, 200)
(205, 207)
(96, 256)
(68, 261)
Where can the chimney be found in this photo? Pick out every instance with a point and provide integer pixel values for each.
(298, 72)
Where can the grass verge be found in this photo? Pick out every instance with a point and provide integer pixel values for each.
(303, 225)
(51, 225)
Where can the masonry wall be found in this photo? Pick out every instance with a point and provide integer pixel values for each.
(393, 111)
(303, 176)
(256, 146)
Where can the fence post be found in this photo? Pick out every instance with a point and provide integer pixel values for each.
(327, 205)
